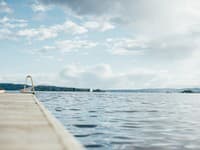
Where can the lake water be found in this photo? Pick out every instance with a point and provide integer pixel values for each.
(128, 121)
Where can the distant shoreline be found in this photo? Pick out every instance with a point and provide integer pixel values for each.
(17, 87)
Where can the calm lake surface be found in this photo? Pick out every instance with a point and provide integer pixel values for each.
(128, 121)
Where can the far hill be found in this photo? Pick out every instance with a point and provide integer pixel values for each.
(158, 90)
(16, 87)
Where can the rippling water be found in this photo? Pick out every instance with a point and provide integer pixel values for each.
(128, 121)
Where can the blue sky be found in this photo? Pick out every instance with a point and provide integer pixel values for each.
(101, 44)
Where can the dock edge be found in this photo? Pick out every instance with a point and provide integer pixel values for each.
(68, 141)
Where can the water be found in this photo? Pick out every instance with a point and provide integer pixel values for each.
(129, 121)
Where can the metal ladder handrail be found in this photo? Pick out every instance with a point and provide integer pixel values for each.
(32, 88)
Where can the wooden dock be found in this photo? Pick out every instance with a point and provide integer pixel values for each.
(26, 125)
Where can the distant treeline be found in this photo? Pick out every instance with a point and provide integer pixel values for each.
(12, 87)
(162, 90)
(16, 87)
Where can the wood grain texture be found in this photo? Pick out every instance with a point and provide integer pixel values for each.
(26, 125)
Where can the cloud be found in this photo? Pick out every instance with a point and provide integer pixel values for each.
(6, 22)
(127, 46)
(86, 7)
(152, 17)
(9, 26)
(173, 48)
(4, 8)
(74, 28)
(19, 28)
(99, 25)
(102, 76)
(67, 46)
(45, 49)
(39, 7)
(187, 72)
(166, 30)
(43, 33)
(6, 34)
(38, 33)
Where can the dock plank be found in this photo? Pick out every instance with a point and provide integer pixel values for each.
(26, 125)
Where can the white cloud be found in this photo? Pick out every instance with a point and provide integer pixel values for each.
(4, 8)
(127, 46)
(39, 7)
(67, 46)
(6, 34)
(43, 33)
(99, 25)
(43, 50)
(74, 28)
(18, 28)
(171, 48)
(186, 73)
(39, 33)
(8, 27)
(102, 76)
(6, 22)
(169, 28)
(165, 15)
(152, 18)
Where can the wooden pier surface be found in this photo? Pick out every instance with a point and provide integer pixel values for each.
(26, 125)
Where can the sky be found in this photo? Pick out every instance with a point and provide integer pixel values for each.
(108, 44)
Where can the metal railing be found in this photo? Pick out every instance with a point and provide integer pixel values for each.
(26, 88)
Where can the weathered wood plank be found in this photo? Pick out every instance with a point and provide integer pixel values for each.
(26, 125)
